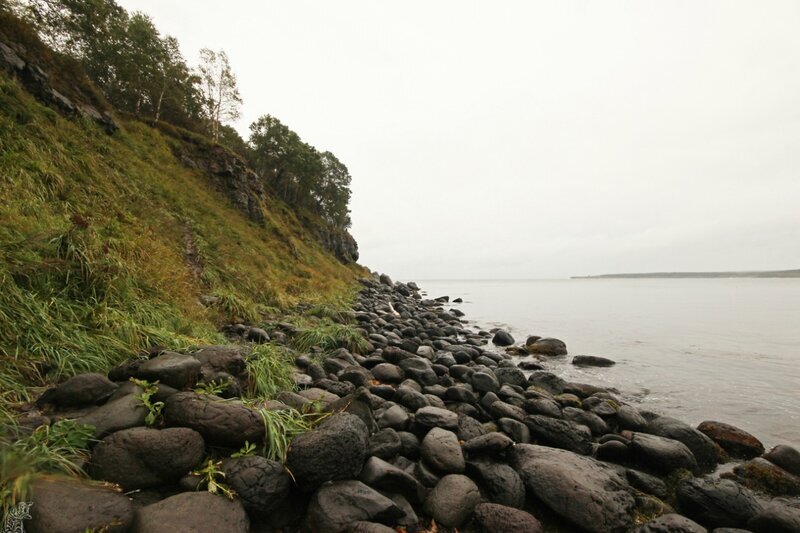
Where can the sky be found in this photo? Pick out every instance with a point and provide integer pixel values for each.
(533, 139)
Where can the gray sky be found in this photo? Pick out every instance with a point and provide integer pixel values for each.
(534, 139)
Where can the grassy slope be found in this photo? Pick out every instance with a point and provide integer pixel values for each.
(94, 232)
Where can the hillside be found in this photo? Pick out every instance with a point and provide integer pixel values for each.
(116, 236)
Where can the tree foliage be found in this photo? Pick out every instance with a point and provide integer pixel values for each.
(220, 93)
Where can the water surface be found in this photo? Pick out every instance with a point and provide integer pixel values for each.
(696, 349)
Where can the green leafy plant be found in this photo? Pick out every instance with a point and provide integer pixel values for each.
(146, 397)
(211, 477)
(212, 387)
(248, 450)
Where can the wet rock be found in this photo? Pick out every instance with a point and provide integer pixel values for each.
(515, 429)
(543, 406)
(547, 381)
(502, 338)
(83, 389)
(261, 484)
(490, 443)
(460, 393)
(441, 450)
(592, 360)
(122, 413)
(703, 448)
(613, 451)
(762, 475)
(388, 373)
(776, 518)
(66, 505)
(494, 518)
(453, 500)
(596, 425)
(511, 376)
(381, 475)
(436, 417)
(547, 346)
(139, 458)
(485, 382)
(737, 442)
(647, 484)
(385, 444)
(580, 489)
(717, 503)
(671, 523)
(500, 409)
(334, 451)
(199, 512)
(499, 483)
(340, 504)
(785, 457)
(630, 418)
(222, 423)
(174, 369)
(661, 454)
(558, 433)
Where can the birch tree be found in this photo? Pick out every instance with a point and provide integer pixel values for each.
(221, 98)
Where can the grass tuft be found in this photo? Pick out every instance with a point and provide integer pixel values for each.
(270, 369)
(329, 337)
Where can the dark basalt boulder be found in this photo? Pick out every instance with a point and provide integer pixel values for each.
(174, 369)
(717, 503)
(123, 413)
(702, 447)
(592, 360)
(559, 433)
(441, 450)
(66, 505)
(221, 423)
(735, 441)
(494, 518)
(83, 389)
(262, 485)
(776, 518)
(661, 454)
(198, 512)
(453, 500)
(385, 444)
(499, 483)
(764, 476)
(336, 506)
(582, 490)
(140, 458)
(490, 443)
(671, 523)
(436, 417)
(334, 451)
(785, 457)
(381, 475)
(502, 338)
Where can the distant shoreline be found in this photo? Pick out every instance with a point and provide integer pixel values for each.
(752, 274)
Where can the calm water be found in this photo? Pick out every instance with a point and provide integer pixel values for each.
(696, 349)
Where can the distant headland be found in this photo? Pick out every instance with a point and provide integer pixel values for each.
(745, 274)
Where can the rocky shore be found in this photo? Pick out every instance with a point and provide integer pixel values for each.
(434, 427)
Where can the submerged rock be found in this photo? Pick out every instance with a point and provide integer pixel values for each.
(592, 360)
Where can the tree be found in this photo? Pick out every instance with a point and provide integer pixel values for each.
(220, 92)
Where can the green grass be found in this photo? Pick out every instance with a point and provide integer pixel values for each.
(282, 426)
(59, 448)
(330, 336)
(270, 368)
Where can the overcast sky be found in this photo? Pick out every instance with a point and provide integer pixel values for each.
(534, 139)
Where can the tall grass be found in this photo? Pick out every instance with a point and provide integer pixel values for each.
(330, 337)
(270, 369)
(282, 426)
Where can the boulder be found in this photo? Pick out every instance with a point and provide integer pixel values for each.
(547, 346)
(485, 382)
(582, 490)
(83, 389)
(499, 483)
(174, 369)
(388, 373)
(661, 454)
(123, 413)
(502, 338)
(559, 433)
(776, 518)
(453, 500)
(261, 484)
(717, 503)
(221, 423)
(735, 441)
(140, 458)
(592, 360)
(494, 518)
(785, 457)
(436, 417)
(381, 475)
(489, 443)
(334, 451)
(441, 450)
(66, 505)
(338, 505)
(671, 523)
(702, 447)
(198, 512)
(385, 444)
(762, 475)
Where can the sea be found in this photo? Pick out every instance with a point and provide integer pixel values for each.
(718, 349)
